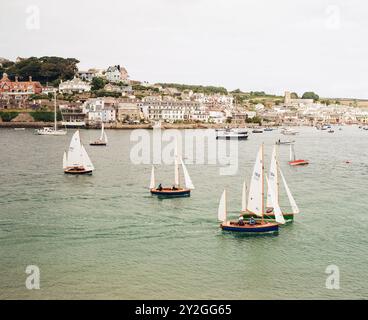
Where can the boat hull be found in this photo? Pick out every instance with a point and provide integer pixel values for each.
(298, 163)
(54, 133)
(77, 171)
(231, 137)
(103, 144)
(267, 227)
(169, 193)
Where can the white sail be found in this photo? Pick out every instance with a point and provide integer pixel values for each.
(244, 197)
(105, 136)
(102, 132)
(221, 213)
(188, 181)
(176, 172)
(292, 153)
(255, 198)
(65, 161)
(176, 160)
(152, 183)
(276, 208)
(74, 156)
(87, 163)
(293, 204)
(273, 179)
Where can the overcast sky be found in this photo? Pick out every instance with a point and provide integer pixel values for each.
(272, 46)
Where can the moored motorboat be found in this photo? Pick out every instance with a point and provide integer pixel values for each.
(76, 160)
(289, 132)
(286, 142)
(254, 206)
(231, 134)
(257, 131)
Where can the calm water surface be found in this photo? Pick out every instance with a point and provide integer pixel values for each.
(104, 236)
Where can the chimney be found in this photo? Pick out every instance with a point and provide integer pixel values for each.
(30, 78)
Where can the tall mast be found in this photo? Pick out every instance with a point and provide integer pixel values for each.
(262, 186)
(277, 174)
(55, 126)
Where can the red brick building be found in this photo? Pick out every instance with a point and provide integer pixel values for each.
(27, 87)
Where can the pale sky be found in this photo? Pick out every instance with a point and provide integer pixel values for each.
(258, 45)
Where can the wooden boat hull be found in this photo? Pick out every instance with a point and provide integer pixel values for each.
(77, 171)
(289, 217)
(98, 144)
(247, 228)
(169, 193)
(298, 162)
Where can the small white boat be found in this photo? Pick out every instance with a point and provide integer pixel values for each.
(286, 142)
(232, 134)
(289, 132)
(46, 131)
(102, 141)
(19, 129)
(76, 160)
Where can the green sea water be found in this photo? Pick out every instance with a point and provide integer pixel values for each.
(104, 237)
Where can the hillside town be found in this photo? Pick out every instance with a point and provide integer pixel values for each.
(94, 96)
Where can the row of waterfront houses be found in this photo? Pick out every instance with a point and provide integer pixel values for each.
(148, 109)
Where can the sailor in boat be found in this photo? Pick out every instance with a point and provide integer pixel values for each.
(159, 188)
(241, 221)
(252, 221)
(174, 188)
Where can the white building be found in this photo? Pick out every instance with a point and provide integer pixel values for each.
(75, 85)
(116, 74)
(171, 110)
(217, 116)
(97, 111)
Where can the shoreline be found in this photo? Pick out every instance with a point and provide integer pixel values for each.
(118, 126)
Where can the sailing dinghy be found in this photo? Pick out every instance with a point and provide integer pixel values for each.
(255, 205)
(76, 159)
(273, 194)
(176, 190)
(294, 161)
(102, 141)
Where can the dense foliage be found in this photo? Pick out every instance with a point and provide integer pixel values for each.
(8, 116)
(310, 95)
(44, 69)
(195, 88)
(45, 116)
(98, 83)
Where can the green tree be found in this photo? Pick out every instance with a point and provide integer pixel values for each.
(310, 95)
(98, 83)
(44, 69)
